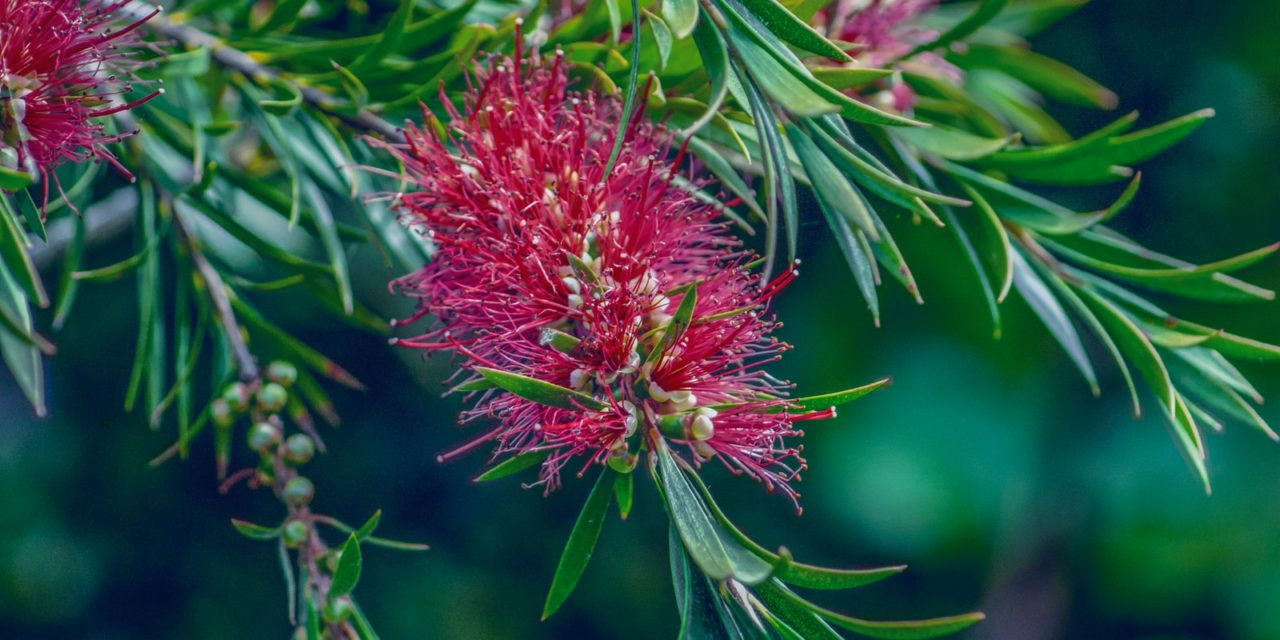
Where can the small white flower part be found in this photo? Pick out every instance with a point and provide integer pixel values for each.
(683, 399)
(632, 421)
(660, 304)
(571, 283)
(704, 450)
(575, 301)
(633, 363)
(578, 379)
(646, 371)
(659, 320)
(701, 428)
(658, 393)
(707, 411)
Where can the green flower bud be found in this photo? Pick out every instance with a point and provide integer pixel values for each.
(299, 448)
(299, 491)
(295, 533)
(282, 372)
(263, 437)
(221, 413)
(271, 397)
(236, 395)
(338, 609)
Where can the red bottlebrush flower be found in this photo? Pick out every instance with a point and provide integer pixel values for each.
(61, 67)
(546, 268)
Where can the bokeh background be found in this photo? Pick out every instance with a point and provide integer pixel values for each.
(987, 466)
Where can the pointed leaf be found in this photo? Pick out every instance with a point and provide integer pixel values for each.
(582, 542)
(541, 392)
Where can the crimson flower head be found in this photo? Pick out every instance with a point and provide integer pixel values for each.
(62, 67)
(620, 305)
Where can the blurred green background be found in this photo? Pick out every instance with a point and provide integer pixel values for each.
(987, 466)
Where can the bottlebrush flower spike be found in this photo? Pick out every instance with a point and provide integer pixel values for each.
(61, 68)
(622, 288)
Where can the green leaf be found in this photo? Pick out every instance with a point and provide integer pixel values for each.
(541, 392)
(984, 12)
(694, 599)
(1047, 307)
(629, 94)
(294, 349)
(715, 553)
(1042, 73)
(389, 40)
(1100, 157)
(953, 144)
(680, 321)
(782, 76)
(661, 36)
(347, 574)
(715, 59)
(255, 531)
(794, 611)
(14, 179)
(845, 78)
(786, 568)
(832, 188)
(513, 465)
(681, 16)
(624, 493)
(903, 629)
(775, 79)
(13, 250)
(994, 238)
(369, 526)
(1208, 281)
(582, 542)
(832, 400)
(18, 347)
(787, 26)
(290, 583)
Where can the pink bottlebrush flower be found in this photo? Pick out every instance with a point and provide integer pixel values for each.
(546, 268)
(61, 68)
(882, 27)
(886, 31)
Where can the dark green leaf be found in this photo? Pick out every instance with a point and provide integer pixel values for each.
(831, 400)
(1047, 307)
(347, 574)
(541, 392)
(513, 465)
(787, 26)
(255, 531)
(624, 493)
(582, 542)
(715, 553)
(675, 329)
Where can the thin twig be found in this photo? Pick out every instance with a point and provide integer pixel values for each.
(242, 62)
(248, 367)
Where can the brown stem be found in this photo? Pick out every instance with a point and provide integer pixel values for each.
(248, 367)
(242, 62)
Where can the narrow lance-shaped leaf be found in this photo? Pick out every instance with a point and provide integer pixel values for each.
(582, 542)
(535, 390)
(347, 574)
(513, 465)
(717, 555)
